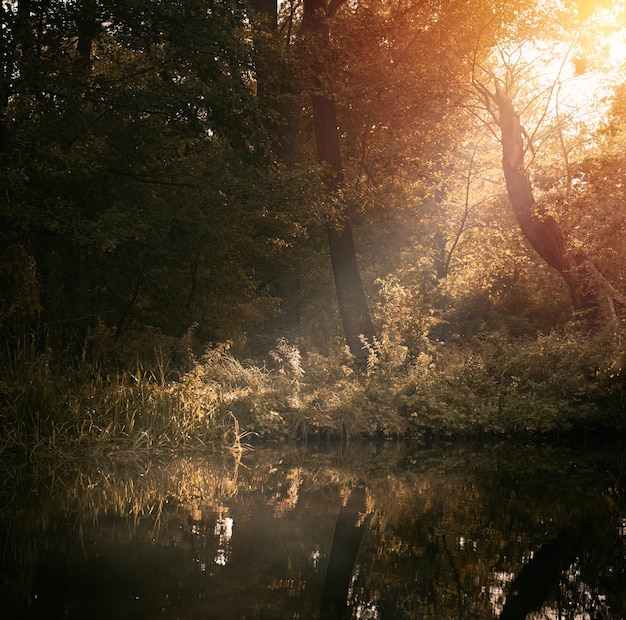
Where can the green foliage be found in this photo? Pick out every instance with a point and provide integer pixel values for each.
(562, 382)
(547, 384)
(220, 401)
(142, 186)
(298, 397)
(152, 179)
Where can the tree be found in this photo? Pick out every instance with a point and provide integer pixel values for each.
(540, 229)
(402, 126)
(353, 308)
(136, 175)
(590, 291)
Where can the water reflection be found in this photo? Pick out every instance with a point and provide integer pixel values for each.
(539, 576)
(343, 553)
(367, 531)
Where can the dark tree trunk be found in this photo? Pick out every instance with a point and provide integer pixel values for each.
(72, 256)
(87, 29)
(6, 56)
(542, 231)
(282, 99)
(539, 577)
(353, 307)
(16, 46)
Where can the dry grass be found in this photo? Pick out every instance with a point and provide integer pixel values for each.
(221, 403)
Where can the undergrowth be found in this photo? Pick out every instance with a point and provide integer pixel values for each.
(557, 383)
(493, 384)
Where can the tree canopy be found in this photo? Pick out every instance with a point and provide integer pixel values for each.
(160, 169)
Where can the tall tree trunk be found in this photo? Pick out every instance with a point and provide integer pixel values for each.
(353, 307)
(542, 231)
(72, 253)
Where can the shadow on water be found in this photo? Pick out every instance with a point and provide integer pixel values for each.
(366, 531)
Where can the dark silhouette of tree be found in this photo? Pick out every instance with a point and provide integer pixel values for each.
(539, 577)
(353, 307)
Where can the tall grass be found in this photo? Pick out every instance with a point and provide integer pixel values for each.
(220, 402)
(494, 384)
(84, 409)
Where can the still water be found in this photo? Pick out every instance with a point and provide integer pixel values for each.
(368, 531)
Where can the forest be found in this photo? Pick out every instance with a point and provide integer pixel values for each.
(228, 221)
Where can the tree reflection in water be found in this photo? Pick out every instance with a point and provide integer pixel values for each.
(452, 531)
(540, 575)
(343, 553)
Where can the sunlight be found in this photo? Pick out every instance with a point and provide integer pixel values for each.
(586, 71)
(575, 77)
(603, 52)
(223, 531)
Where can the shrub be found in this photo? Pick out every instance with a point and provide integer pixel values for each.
(497, 384)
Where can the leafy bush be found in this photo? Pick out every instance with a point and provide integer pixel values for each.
(497, 384)
(491, 384)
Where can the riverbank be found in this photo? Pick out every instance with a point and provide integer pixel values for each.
(491, 387)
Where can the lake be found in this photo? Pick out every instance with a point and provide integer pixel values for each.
(362, 531)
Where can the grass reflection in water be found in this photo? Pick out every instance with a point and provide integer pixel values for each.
(449, 531)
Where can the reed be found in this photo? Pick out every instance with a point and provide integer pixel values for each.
(498, 386)
(83, 409)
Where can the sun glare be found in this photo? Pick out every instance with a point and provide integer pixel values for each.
(603, 37)
(579, 74)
